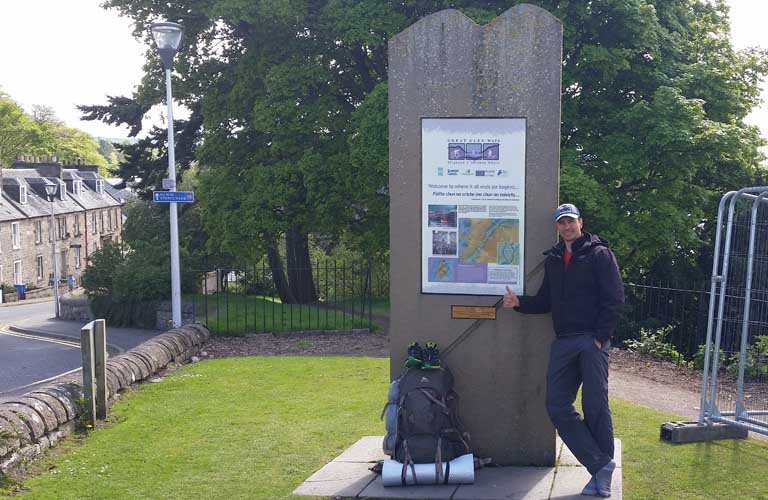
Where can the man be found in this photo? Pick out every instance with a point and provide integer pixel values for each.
(582, 289)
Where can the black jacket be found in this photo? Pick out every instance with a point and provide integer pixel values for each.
(587, 297)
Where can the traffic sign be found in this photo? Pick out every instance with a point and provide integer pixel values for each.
(173, 196)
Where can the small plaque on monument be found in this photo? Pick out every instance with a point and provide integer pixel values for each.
(473, 312)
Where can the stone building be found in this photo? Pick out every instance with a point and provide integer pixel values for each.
(86, 216)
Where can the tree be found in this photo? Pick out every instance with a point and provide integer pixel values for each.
(18, 132)
(66, 143)
(288, 118)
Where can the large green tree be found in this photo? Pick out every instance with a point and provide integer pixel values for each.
(289, 116)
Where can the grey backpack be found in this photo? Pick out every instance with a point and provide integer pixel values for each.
(427, 424)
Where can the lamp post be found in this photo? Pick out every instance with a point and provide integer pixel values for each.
(167, 37)
(51, 190)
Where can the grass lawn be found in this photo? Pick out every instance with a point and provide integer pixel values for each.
(255, 428)
(235, 314)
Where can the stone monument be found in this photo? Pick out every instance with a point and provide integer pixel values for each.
(445, 66)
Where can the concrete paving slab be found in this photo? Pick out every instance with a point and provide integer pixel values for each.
(347, 476)
(344, 488)
(366, 449)
(569, 481)
(436, 492)
(515, 483)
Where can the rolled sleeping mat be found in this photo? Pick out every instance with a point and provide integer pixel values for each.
(460, 470)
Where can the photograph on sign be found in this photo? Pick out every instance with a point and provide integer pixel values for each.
(473, 205)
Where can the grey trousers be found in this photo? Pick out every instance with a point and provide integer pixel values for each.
(576, 361)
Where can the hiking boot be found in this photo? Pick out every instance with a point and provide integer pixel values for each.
(415, 355)
(603, 479)
(431, 356)
(591, 488)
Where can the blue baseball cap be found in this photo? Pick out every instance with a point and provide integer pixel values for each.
(567, 210)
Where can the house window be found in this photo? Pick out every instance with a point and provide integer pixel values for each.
(1, 241)
(101, 216)
(39, 262)
(100, 187)
(76, 225)
(77, 258)
(93, 222)
(17, 277)
(15, 235)
(62, 227)
(109, 220)
(1, 273)
(38, 231)
(23, 195)
(95, 246)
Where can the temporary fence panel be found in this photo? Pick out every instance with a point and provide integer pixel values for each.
(735, 373)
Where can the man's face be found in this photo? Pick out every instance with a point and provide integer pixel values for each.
(569, 228)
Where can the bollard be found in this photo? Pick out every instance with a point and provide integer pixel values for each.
(100, 367)
(89, 382)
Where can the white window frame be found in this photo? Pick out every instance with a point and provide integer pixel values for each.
(78, 261)
(18, 276)
(15, 235)
(39, 267)
(94, 228)
(101, 219)
(1, 273)
(62, 190)
(76, 225)
(38, 231)
(77, 187)
(100, 186)
(95, 246)
(109, 220)
(23, 194)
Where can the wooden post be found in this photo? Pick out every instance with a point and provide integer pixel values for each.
(100, 367)
(89, 385)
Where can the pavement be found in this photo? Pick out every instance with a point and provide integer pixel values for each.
(347, 476)
(118, 339)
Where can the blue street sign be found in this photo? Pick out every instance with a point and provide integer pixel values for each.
(173, 196)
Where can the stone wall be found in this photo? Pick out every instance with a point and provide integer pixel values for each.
(75, 308)
(32, 423)
(165, 315)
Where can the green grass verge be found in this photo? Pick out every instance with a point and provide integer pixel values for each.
(234, 314)
(255, 428)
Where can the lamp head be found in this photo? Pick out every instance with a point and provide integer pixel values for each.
(167, 38)
(51, 190)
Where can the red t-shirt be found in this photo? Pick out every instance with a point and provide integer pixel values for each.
(567, 258)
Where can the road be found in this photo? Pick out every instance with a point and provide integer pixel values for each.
(25, 359)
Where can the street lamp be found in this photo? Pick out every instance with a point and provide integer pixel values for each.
(51, 190)
(167, 37)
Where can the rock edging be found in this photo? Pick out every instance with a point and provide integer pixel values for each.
(32, 423)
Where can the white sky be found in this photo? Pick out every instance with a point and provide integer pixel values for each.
(63, 53)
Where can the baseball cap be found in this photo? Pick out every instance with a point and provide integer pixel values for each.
(567, 210)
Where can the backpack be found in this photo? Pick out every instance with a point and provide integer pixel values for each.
(422, 406)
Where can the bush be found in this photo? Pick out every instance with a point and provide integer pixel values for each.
(651, 343)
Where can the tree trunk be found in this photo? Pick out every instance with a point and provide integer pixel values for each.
(300, 278)
(278, 275)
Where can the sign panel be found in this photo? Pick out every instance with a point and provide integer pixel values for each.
(473, 205)
(173, 196)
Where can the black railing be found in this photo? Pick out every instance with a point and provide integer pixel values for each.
(247, 299)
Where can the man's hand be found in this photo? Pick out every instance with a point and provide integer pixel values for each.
(510, 299)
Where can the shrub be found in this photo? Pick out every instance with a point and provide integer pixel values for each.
(651, 343)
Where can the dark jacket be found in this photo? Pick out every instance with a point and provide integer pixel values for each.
(587, 297)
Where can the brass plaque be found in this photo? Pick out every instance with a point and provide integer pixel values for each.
(473, 312)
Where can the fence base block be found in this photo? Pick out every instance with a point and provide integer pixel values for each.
(692, 432)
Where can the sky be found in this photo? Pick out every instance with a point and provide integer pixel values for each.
(64, 53)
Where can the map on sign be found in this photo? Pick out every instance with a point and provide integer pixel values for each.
(491, 241)
(442, 270)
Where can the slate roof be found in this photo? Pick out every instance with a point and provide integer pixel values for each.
(37, 201)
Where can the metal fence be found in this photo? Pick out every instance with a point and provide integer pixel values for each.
(665, 319)
(736, 358)
(245, 299)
